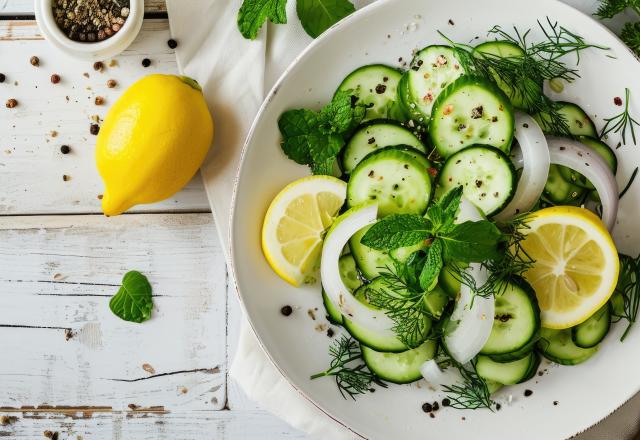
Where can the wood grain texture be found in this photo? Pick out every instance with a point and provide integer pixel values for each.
(25, 7)
(48, 116)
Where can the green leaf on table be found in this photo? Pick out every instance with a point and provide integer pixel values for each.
(472, 242)
(432, 267)
(133, 301)
(396, 231)
(317, 16)
(253, 14)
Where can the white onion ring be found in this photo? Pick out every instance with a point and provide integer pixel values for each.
(578, 157)
(474, 323)
(344, 227)
(533, 157)
(437, 377)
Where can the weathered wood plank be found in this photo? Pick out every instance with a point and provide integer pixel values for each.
(61, 345)
(48, 116)
(25, 7)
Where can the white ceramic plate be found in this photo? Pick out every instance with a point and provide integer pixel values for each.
(384, 32)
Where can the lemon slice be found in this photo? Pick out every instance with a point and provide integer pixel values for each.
(576, 264)
(295, 225)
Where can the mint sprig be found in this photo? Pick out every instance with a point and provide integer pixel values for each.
(253, 14)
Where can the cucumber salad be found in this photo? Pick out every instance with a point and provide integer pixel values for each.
(458, 219)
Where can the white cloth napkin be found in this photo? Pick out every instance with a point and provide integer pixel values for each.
(235, 74)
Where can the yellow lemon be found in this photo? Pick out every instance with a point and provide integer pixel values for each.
(152, 141)
(576, 264)
(295, 225)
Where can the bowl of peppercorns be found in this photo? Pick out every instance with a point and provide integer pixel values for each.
(90, 29)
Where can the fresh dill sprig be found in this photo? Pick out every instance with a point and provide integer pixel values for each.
(352, 377)
(629, 183)
(629, 287)
(610, 8)
(621, 122)
(472, 393)
(631, 36)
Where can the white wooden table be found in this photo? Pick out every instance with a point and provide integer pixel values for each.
(67, 364)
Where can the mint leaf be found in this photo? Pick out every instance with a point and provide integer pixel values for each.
(253, 14)
(297, 128)
(443, 212)
(317, 16)
(432, 266)
(396, 231)
(133, 301)
(341, 115)
(472, 242)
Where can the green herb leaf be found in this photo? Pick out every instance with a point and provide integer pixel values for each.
(253, 14)
(472, 242)
(443, 213)
(133, 301)
(317, 16)
(432, 266)
(298, 129)
(610, 8)
(341, 115)
(396, 231)
(621, 122)
(631, 36)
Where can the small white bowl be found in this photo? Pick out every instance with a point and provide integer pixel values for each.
(98, 50)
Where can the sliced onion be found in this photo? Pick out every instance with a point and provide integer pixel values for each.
(472, 317)
(437, 377)
(578, 157)
(533, 157)
(344, 227)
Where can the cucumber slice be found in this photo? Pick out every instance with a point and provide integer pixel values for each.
(372, 339)
(471, 111)
(349, 272)
(333, 314)
(435, 302)
(393, 179)
(371, 261)
(592, 331)
(493, 386)
(399, 367)
(508, 373)
(560, 192)
(486, 174)
(404, 99)
(580, 124)
(617, 304)
(376, 135)
(432, 69)
(518, 354)
(376, 85)
(449, 281)
(603, 150)
(507, 49)
(517, 319)
(557, 346)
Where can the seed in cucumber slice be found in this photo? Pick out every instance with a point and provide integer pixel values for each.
(432, 70)
(436, 301)
(333, 314)
(560, 192)
(600, 148)
(517, 319)
(401, 367)
(471, 111)
(398, 183)
(486, 174)
(580, 124)
(508, 373)
(375, 85)
(373, 136)
(557, 346)
(507, 49)
(592, 331)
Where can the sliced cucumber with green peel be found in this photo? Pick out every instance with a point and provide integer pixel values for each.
(518, 354)
(432, 70)
(600, 148)
(401, 367)
(436, 301)
(449, 281)
(373, 136)
(349, 272)
(333, 313)
(397, 182)
(376, 86)
(560, 192)
(517, 319)
(471, 111)
(486, 174)
(507, 49)
(592, 331)
(508, 373)
(372, 339)
(580, 124)
(558, 347)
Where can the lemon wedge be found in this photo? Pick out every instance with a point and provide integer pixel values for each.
(576, 264)
(295, 225)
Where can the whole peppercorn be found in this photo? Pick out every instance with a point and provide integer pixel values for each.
(146, 62)
(35, 61)
(94, 129)
(2, 77)
(65, 149)
(99, 100)
(112, 83)
(98, 66)
(55, 78)
(172, 43)
(11, 103)
(286, 310)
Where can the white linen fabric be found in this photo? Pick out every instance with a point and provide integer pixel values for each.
(235, 75)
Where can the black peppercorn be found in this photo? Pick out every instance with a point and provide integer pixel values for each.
(330, 333)
(498, 406)
(527, 393)
(2, 77)
(286, 310)
(65, 149)
(172, 43)
(146, 62)
(446, 402)
(94, 129)
(426, 407)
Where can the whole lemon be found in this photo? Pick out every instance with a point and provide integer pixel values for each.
(152, 141)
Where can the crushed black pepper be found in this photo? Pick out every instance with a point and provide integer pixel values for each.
(2, 77)
(90, 20)
(527, 393)
(94, 129)
(330, 332)
(380, 89)
(498, 407)
(286, 310)
(555, 403)
(371, 141)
